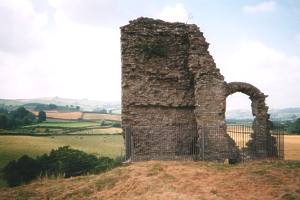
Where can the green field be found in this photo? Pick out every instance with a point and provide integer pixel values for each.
(89, 137)
(12, 147)
(71, 124)
(64, 128)
(117, 112)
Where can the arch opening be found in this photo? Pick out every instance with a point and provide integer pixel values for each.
(260, 136)
(238, 109)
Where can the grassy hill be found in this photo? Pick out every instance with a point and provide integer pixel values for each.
(276, 114)
(173, 180)
(85, 104)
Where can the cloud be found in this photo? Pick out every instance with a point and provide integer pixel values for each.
(265, 6)
(21, 26)
(78, 59)
(176, 13)
(92, 12)
(274, 72)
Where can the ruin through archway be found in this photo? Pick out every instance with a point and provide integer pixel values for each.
(261, 124)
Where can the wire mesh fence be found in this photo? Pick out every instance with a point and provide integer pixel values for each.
(185, 142)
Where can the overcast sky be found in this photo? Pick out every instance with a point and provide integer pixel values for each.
(71, 48)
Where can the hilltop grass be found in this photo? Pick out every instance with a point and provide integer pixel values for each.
(172, 180)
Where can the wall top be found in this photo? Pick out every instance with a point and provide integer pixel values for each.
(151, 21)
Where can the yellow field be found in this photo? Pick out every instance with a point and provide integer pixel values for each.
(292, 147)
(291, 143)
(61, 115)
(98, 116)
(240, 141)
(77, 115)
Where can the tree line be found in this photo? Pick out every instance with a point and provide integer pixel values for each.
(19, 117)
(62, 162)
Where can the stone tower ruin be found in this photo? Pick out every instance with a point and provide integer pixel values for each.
(172, 88)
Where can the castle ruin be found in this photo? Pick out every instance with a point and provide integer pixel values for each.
(171, 87)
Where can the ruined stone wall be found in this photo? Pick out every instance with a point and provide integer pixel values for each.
(170, 81)
(157, 87)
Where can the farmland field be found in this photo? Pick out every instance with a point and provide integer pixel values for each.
(71, 124)
(98, 117)
(292, 147)
(64, 128)
(108, 130)
(80, 115)
(61, 115)
(12, 147)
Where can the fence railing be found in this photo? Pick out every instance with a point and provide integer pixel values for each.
(244, 138)
(184, 142)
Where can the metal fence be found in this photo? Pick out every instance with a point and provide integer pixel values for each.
(181, 142)
(244, 138)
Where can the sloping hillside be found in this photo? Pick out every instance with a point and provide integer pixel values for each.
(173, 180)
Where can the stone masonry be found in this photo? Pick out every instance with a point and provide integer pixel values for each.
(172, 88)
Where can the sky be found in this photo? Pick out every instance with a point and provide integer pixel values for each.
(71, 48)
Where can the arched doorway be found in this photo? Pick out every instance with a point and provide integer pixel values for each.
(261, 137)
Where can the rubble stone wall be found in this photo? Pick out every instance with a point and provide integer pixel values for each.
(170, 80)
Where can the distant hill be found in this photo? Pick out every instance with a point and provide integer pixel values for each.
(85, 104)
(115, 107)
(276, 114)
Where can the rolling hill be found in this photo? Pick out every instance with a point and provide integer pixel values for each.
(92, 105)
(173, 180)
(85, 104)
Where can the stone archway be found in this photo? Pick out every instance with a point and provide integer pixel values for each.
(261, 124)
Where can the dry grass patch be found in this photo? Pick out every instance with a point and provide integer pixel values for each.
(98, 117)
(176, 180)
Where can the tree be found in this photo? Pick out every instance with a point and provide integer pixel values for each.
(3, 110)
(20, 117)
(21, 171)
(3, 120)
(42, 116)
(294, 127)
(62, 161)
(52, 106)
(116, 124)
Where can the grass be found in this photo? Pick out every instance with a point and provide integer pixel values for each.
(78, 115)
(63, 128)
(12, 147)
(99, 117)
(109, 130)
(71, 124)
(171, 180)
(292, 196)
(106, 182)
(117, 112)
